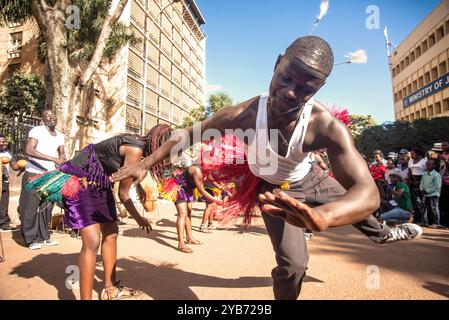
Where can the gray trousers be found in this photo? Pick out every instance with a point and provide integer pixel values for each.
(288, 241)
(35, 214)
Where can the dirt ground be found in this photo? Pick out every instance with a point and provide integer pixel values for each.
(233, 265)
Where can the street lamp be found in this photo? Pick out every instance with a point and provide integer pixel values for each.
(144, 93)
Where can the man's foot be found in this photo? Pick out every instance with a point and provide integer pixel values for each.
(406, 231)
(118, 292)
(50, 243)
(185, 249)
(193, 241)
(212, 226)
(308, 235)
(204, 229)
(35, 246)
(8, 228)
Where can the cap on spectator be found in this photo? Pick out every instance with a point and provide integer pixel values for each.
(392, 155)
(396, 172)
(403, 151)
(437, 147)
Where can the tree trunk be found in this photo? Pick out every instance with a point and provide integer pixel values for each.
(59, 67)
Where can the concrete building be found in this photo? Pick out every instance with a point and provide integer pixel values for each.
(420, 66)
(18, 47)
(157, 80)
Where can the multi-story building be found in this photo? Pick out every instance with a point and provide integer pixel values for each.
(18, 47)
(166, 70)
(159, 79)
(420, 65)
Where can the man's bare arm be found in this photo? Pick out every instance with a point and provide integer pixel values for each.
(30, 150)
(362, 196)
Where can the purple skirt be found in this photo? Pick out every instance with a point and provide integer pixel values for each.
(93, 204)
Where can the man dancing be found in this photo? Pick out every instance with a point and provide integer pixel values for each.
(313, 200)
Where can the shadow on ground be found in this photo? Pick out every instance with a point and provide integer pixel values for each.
(417, 258)
(160, 282)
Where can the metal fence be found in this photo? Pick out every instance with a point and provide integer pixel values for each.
(16, 130)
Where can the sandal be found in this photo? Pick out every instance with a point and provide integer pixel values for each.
(212, 226)
(185, 249)
(118, 292)
(204, 229)
(193, 241)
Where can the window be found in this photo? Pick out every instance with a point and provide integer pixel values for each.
(423, 113)
(404, 92)
(415, 85)
(445, 106)
(420, 82)
(409, 89)
(434, 73)
(432, 40)
(395, 97)
(13, 68)
(446, 26)
(429, 111)
(412, 56)
(442, 68)
(394, 72)
(424, 46)
(407, 61)
(400, 94)
(438, 108)
(402, 65)
(418, 52)
(427, 77)
(440, 33)
(15, 45)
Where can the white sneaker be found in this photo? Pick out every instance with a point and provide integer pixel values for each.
(50, 243)
(308, 235)
(405, 231)
(35, 246)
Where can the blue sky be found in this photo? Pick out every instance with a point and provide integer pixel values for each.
(244, 38)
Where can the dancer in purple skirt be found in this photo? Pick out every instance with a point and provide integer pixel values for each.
(83, 187)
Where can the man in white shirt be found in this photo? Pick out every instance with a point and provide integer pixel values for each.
(45, 150)
(4, 195)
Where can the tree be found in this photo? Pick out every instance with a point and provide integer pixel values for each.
(196, 115)
(359, 123)
(393, 136)
(22, 95)
(216, 102)
(71, 54)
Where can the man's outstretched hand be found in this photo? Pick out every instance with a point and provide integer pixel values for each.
(137, 171)
(293, 211)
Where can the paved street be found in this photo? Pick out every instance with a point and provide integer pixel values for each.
(235, 265)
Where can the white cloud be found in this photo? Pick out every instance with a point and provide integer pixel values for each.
(208, 88)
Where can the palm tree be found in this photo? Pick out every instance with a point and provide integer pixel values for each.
(71, 55)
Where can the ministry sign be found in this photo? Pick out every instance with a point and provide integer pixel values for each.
(433, 87)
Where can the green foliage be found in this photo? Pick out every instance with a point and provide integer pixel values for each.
(216, 102)
(22, 94)
(81, 42)
(360, 122)
(196, 115)
(393, 136)
(14, 11)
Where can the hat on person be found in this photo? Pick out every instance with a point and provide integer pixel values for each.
(403, 151)
(392, 155)
(396, 172)
(438, 147)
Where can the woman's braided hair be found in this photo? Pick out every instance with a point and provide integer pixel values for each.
(153, 140)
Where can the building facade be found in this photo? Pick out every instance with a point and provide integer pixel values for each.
(166, 69)
(420, 69)
(159, 79)
(18, 47)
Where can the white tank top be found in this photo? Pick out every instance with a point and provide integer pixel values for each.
(264, 162)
